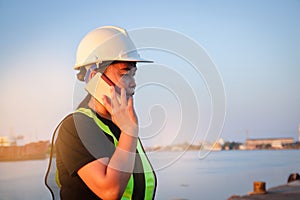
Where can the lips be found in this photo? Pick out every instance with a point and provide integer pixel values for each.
(130, 91)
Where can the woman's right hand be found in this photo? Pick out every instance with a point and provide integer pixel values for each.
(122, 112)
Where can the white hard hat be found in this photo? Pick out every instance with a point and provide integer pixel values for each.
(107, 43)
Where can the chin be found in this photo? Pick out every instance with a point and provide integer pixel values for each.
(129, 95)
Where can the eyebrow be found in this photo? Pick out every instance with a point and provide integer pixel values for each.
(128, 69)
(125, 68)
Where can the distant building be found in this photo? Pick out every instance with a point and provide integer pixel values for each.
(4, 141)
(242, 147)
(271, 142)
(299, 133)
(212, 146)
(217, 146)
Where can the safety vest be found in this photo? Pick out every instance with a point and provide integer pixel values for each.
(148, 172)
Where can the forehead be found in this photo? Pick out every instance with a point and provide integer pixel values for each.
(125, 65)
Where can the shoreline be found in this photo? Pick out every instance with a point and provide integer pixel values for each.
(289, 191)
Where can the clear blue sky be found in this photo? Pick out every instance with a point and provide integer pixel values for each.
(254, 44)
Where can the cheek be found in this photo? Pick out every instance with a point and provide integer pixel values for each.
(125, 80)
(117, 80)
(122, 82)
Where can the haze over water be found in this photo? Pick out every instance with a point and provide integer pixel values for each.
(217, 176)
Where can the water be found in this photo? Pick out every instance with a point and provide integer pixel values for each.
(217, 176)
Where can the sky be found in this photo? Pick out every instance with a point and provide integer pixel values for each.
(254, 46)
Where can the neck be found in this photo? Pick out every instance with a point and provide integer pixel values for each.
(99, 108)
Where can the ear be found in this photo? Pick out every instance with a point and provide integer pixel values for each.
(92, 74)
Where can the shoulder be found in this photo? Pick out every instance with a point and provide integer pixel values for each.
(80, 126)
(78, 131)
(75, 119)
(71, 124)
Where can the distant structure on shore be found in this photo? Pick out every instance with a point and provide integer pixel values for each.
(30, 151)
(276, 143)
(10, 151)
(250, 144)
(299, 133)
(4, 141)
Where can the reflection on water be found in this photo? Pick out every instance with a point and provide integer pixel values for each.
(225, 173)
(218, 176)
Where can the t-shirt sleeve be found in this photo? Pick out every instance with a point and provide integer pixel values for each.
(81, 141)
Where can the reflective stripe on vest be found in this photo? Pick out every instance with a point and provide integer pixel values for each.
(148, 173)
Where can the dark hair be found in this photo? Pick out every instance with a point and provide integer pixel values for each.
(84, 102)
(101, 68)
(293, 177)
(81, 74)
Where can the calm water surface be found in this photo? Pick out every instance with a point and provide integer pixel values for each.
(217, 176)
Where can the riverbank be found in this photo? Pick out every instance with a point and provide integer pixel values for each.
(226, 146)
(31, 151)
(290, 191)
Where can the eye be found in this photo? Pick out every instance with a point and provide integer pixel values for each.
(130, 72)
(127, 72)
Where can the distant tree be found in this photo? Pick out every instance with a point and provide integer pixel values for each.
(231, 145)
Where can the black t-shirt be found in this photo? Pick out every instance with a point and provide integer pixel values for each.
(79, 142)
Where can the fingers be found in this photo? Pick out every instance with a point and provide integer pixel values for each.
(131, 110)
(114, 99)
(130, 103)
(117, 101)
(107, 103)
(122, 111)
(123, 97)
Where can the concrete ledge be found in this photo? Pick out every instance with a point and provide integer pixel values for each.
(290, 191)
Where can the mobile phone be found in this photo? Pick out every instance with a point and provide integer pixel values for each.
(100, 85)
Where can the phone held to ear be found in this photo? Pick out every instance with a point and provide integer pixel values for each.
(100, 85)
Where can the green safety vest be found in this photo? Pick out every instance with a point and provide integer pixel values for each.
(148, 172)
